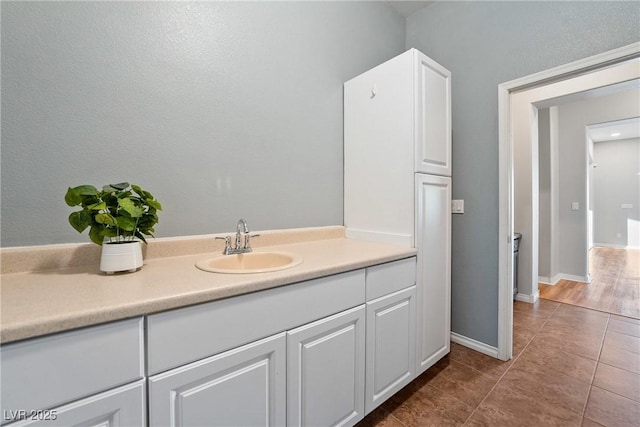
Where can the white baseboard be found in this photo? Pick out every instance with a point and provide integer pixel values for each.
(613, 245)
(531, 299)
(474, 345)
(572, 277)
(546, 281)
(552, 281)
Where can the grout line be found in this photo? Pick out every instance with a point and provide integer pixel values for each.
(395, 418)
(390, 414)
(514, 360)
(593, 376)
(586, 402)
(620, 367)
(614, 393)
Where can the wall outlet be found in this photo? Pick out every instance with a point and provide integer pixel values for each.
(575, 206)
(457, 206)
(619, 235)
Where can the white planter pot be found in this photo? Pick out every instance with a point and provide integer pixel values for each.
(121, 257)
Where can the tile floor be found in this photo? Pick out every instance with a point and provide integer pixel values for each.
(571, 366)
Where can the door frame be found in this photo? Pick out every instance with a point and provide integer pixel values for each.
(506, 174)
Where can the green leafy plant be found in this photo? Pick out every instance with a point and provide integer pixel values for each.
(118, 212)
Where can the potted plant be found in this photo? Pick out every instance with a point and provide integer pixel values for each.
(117, 216)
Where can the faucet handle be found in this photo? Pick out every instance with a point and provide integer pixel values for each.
(227, 244)
(247, 241)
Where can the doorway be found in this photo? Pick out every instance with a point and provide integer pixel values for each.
(613, 209)
(570, 133)
(518, 123)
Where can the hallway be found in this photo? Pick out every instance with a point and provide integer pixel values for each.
(614, 287)
(571, 366)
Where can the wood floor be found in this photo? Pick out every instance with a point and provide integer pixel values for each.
(614, 287)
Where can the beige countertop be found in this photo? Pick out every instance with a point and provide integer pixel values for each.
(42, 302)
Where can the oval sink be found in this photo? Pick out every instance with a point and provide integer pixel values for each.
(252, 262)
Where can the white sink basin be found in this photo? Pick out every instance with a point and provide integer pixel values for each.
(252, 262)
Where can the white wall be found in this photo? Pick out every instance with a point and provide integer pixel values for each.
(616, 181)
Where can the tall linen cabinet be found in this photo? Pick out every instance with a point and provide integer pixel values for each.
(397, 180)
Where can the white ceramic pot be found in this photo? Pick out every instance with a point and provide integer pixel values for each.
(125, 256)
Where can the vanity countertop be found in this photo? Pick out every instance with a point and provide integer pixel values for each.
(43, 302)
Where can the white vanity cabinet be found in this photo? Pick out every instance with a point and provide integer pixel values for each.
(319, 352)
(212, 365)
(391, 330)
(89, 376)
(325, 371)
(323, 352)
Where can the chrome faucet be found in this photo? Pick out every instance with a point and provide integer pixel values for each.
(241, 245)
(241, 227)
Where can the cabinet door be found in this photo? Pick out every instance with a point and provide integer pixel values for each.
(120, 407)
(391, 345)
(241, 387)
(434, 268)
(325, 371)
(433, 117)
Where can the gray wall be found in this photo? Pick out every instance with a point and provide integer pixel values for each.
(616, 182)
(485, 44)
(221, 109)
(544, 193)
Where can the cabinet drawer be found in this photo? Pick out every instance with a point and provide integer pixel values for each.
(53, 370)
(181, 336)
(120, 407)
(391, 277)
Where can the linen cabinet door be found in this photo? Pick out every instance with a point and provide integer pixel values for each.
(433, 117)
(391, 345)
(325, 371)
(245, 386)
(434, 269)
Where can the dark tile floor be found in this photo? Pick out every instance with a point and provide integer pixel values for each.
(571, 366)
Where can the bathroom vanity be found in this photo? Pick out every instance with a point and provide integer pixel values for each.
(273, 350)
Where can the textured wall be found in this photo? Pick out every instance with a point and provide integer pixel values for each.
(616, 181)
(485, 44)
(221, 109)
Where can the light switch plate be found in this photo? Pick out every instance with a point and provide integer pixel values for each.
(457, 206)
(627, 206)
(575, 206)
